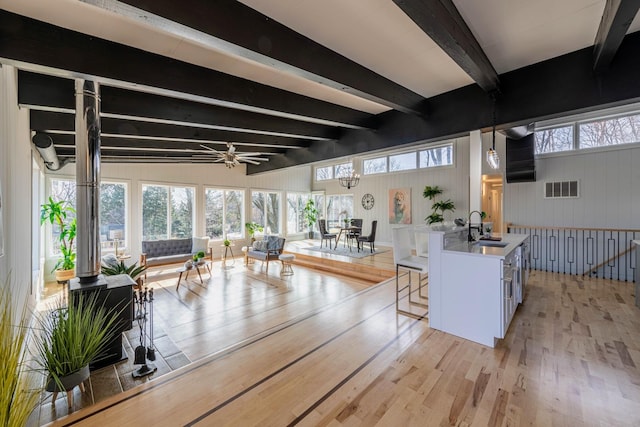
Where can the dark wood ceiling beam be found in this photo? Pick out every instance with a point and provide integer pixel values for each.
(56, 121)
(262, 40)
(615, 22)
(68, 141)
(28, 41)
(49, 91)
(551, 89)
(442, 22)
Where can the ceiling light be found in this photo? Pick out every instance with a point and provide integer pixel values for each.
(492, 155)
(350, 180)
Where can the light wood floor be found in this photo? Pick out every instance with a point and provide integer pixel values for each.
(343, 357)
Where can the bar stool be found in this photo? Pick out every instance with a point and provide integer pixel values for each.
(286, 260)
(403, 259)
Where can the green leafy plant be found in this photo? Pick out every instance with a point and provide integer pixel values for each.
(198, 256)
(439, 207)
(133, 270)
(226, 242)
(310, 214)
(253, 227)
(62, 214)
(71, 336)
(19, 389)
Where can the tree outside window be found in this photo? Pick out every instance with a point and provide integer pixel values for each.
(224, 213)
(167, 212)
(265, 210)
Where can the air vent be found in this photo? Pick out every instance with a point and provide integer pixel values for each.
(561, 189)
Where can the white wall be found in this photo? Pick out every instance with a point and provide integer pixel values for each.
(609, 191)
(453, 180)
(15, 178)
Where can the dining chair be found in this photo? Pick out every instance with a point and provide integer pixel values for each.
(324, 233)
(371, 238)
(355, 231)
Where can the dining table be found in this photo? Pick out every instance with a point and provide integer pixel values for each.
(347, 230)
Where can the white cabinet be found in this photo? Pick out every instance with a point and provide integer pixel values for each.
(474, 289)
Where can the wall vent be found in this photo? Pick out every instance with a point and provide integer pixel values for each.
(561, 189)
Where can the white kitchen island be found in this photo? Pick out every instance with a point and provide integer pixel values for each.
(474, 289)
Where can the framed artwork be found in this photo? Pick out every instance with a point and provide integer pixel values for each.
(400, 206)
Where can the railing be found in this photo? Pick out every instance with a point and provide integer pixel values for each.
(596, 252)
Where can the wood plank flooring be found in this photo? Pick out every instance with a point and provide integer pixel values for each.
(343, 357)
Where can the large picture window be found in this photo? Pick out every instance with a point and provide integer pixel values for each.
(295, 214)
(113, 210)
(265, 210)
(224, 213)
(167, 212)
(339, 207)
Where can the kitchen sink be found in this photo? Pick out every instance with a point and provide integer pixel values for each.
(491, 243)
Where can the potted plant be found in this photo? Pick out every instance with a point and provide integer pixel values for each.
(226, 242)
(70, 337)
(20, 388)
(253, 227)
(198, 256)
(62, 214)
(310, 215)
(133, 270)
(438, 208)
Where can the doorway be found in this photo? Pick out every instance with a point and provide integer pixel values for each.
(492, 200)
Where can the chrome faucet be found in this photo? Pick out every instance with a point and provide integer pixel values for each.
(470, 237)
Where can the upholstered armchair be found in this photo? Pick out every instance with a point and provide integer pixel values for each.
(266, 250)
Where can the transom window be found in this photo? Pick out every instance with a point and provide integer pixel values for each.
(324, 173)
(437, 156)
(401, 162)
(374, 166)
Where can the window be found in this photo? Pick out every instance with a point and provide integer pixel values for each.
(113, 209)
(373, 166)
(554, 140)
(343, 169)
(438, 156)
(401, 162)
(295, 214)
(339, 207)
(265, 210)
(324, 174)
(602, 133)
(224, 213)
(167, 212)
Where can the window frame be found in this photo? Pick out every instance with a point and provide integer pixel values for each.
(243, 216)
(168, 206)
(279, 216)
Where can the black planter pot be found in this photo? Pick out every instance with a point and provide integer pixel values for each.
(68, 381)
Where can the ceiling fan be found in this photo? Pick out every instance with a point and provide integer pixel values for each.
(231, 158)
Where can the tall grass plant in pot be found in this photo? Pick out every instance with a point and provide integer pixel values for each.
(72, 336)
(19, 386)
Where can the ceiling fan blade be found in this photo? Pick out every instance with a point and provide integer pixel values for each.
(209, 148)
(250, 161)
(260, 159)
(249, 154)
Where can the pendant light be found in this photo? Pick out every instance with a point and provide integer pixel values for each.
(492, 155)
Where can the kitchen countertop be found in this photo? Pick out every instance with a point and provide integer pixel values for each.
(473, 248)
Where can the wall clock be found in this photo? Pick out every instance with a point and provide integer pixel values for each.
(367, 201)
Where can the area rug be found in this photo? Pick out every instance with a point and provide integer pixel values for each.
(345, 251)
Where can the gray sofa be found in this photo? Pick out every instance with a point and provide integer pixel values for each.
(266, 250)
(158, 252)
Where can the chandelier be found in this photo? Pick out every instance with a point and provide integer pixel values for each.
(350, 180)
(492, 155)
